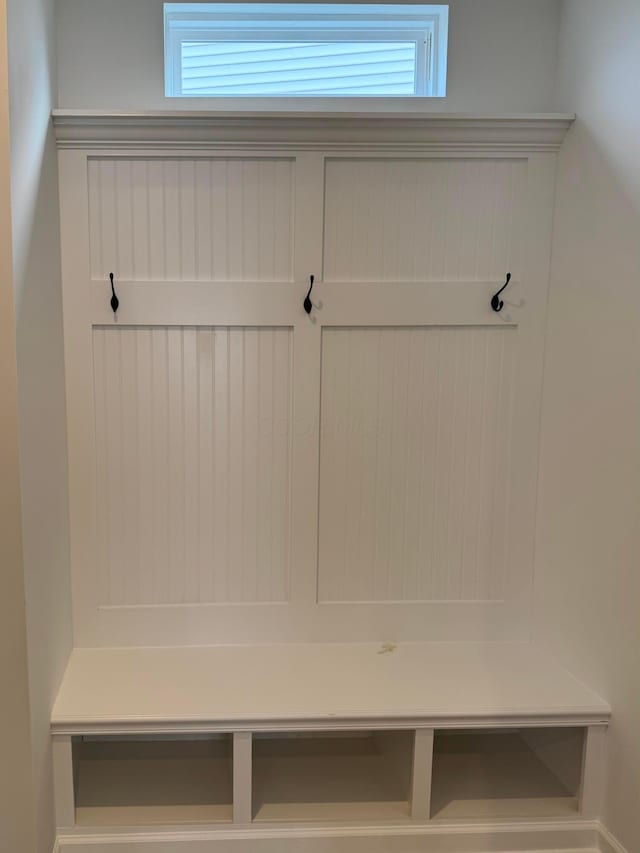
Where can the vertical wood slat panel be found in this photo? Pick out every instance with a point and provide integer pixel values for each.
(193, 458)
(172, 221)
(423, 220)
(186, 219)
(414, 463)
(156, 192)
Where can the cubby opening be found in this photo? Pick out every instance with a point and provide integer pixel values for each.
(332, 776)
(515, 773)
(134, 781)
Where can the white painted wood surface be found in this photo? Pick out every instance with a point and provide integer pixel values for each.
(423, 220)
(193, 453)
(242, 777)
(63, 780)
(494, 775)
(315, 686)
(421, 776)
(414, 464)
(202, 220)
(434, 131)
(130, 783)
(561, 751)
(316, 777)
(594, 772)
(492, 837)
(419, 528)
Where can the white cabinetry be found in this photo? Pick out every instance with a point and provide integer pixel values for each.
(275, 513)
(243, 472)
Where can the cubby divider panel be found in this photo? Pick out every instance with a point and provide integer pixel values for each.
(134, 781)
(509, 773)
(332, 776)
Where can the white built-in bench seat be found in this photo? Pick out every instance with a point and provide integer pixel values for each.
(242, 735)
(312, 686)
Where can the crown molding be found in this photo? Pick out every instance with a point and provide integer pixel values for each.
(413, 131)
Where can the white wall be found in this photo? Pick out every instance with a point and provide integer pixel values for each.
(502, 56)
(588, 544)
(41, 394)
(16, 788)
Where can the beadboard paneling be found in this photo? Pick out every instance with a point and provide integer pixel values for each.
(191, 219)
(192, 443)
(362, 532)
(414, 463)
(423, 220)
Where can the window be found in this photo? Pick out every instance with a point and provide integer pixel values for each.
(304, 50)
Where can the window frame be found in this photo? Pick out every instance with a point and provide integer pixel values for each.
(426, 25)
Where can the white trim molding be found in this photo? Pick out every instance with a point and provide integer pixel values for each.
(73, 729)
(570, 836)
(573, 837)
(90, 129)
(609, 843)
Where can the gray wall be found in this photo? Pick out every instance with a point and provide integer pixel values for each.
(502, 57)
(41, 393)
(588, 543)
(16, 782)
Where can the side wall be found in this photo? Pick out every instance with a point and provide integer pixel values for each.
(588, 580)
(16, 789)
(41, 393)
(502, 57)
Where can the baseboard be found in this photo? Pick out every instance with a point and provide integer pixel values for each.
(565, 837)
(609, 843)
(548, 837)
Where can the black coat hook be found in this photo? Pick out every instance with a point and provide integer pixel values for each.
(115, 302)
(308, 304)
(496, 303)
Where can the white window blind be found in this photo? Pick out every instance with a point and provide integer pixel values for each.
(276, 50)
